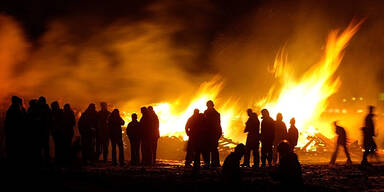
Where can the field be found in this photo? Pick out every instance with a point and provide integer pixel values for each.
(172, 176)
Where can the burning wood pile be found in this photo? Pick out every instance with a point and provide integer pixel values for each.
(318, 143)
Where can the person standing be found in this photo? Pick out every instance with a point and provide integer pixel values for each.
(280, 135)
(155, 125)
(267, 137)
(146, 137)
(44, 129)
(252, 127)
(193, 129)
(114, 125)
(214, 132)
(102, 133)
(293, 134)
(87, 127)
(56, 119)
(341, 141)
(33, 118)
(370, 146)
(133, 133)
(14, 126)
(68, 122)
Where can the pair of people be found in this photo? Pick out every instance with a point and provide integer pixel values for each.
(144, 134)
(288, 171)
(204, 131)
(369, 144)
(96, 129)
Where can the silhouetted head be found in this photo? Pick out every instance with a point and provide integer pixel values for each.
(240, 149)
(55, 105)
(91, 107)
(143, 110)
(32, 102)
(196, 111)
(16, 100)
(292, 121)
(115, 113)
(67, 107)
(150, 109)
(371, 108)
(249, 112)
(210, 104)
(134, 117)
(283, 148)
(279, 117)
(265, 113)
(42, 100)
(103, 106)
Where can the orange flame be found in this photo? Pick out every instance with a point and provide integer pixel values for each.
(306, 98)
(172, 122)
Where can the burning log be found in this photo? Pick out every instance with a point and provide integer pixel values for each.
(321, 143)
(226, 144)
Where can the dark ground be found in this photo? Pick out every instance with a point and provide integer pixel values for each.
(172, 176)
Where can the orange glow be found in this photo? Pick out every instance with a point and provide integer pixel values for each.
(306, 98)
(172, 122)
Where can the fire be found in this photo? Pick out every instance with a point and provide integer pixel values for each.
(172, 121)
(306, 98)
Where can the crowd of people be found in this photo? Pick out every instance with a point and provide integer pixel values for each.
(204, 132)
(28, 134)
(28, 131)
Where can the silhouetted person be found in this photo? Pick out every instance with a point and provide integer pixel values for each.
(14, 126)
(87, 127)
(370, 146)
(267, 137)
(194, 128)
(293, 134)
(68, 122)
(33, 131)
(114, 125)
(289, 169)
(102, 133)
(252, 127)
(214, 132)
(146, 137)
(133, 133)
(341, 141)
(155, 131)
(44, 132)
(280, 135)
(231, 167)
(56, 127)
(189, 150)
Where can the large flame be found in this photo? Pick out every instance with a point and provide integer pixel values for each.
(172, 120)
(305, 99)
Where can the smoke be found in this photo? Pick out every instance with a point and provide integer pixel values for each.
(13, 52)
(82, 61)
